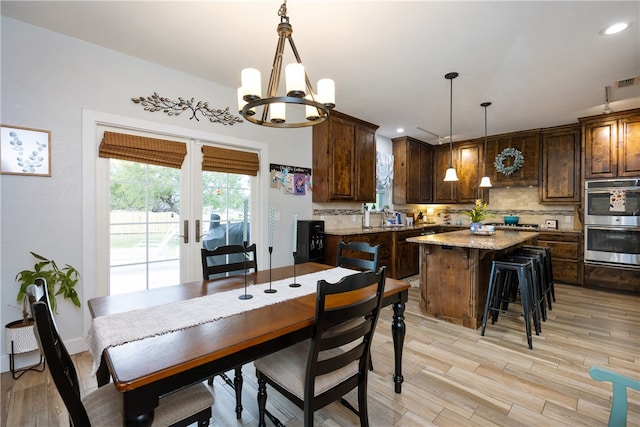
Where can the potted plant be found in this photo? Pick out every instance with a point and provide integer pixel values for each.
(477, 214)
(19, 336)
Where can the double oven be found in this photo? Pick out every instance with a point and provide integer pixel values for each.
(612, 222)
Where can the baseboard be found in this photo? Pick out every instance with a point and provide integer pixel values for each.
(74, 346)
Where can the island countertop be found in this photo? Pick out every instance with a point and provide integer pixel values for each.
(502, 239)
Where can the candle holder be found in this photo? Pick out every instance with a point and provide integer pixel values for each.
(270, 291)
(295, 284)
(245, 295)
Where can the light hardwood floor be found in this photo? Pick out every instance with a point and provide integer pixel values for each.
(452, 375)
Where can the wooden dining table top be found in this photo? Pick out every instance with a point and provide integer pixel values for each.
(146, 361)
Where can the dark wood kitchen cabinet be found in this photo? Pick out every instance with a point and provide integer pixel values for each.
(566, 255)
(469, 168)
(344, 160)
(611, 145)
(412, 171)
(443, 192)
(383, 238)
(406, 256)
(528, 143)
(560, 169)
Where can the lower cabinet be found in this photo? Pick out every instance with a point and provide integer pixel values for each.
(612, 278)
(384, 239)
(566, 256)
(401, 258)
(406, 256)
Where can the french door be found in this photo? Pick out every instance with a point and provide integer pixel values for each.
(160, 217)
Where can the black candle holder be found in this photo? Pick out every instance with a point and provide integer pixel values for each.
(295, 284)
(245, 295)
(270, 290)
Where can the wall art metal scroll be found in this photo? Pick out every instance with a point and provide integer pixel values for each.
(25, 151)
(156, 102)
(294, 179)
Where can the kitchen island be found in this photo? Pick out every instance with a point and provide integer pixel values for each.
(454, 271)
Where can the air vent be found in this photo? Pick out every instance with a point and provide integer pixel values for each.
(631, 81)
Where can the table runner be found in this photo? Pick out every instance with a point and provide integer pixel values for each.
(121, 328)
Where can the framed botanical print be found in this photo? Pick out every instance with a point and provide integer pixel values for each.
(25, 151)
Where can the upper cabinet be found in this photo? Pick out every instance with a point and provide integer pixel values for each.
(344, 160)
(412, 171)
(560, 168)
(443, 192)
(507, 150)
(612, 145)
(469, 168)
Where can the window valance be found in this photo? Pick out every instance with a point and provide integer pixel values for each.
(217, 159)
(160, 152)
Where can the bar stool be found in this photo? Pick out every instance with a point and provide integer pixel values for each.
(550, 291)
(501, 291)
(540, 280)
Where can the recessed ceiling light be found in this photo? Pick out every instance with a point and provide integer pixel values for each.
(615, 28)
(400, 130)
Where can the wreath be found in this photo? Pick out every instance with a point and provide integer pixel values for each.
(518, 161)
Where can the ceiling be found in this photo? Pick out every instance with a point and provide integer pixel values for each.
(541, 63)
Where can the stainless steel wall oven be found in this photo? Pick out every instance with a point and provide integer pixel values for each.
(612, 222)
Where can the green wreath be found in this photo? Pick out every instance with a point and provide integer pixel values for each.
(518, 161)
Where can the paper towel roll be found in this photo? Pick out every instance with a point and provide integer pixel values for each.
(366, 218)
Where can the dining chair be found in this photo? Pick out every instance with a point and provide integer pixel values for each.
(218, 262)
(620, 383)
(105, 404)
(321, 370)
(359, 255)
(228, 259)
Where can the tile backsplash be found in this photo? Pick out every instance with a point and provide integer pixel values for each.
(523, 202)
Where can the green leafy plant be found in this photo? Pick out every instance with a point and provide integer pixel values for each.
(479, 212)
(64, 279)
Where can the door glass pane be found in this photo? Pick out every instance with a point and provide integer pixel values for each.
(144, 226)
(223, 208)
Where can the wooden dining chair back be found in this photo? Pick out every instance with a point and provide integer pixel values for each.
(323, 369)
(105, 405)
(358, 255)
(620, 383)
(228, 259)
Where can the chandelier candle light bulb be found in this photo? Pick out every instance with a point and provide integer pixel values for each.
(294, 74)
(251, 87)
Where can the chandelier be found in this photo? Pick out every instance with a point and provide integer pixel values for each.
(271, 110)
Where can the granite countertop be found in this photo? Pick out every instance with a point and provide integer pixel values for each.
(347, 231)
(502, 239)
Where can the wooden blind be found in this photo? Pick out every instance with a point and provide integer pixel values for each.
(216, 159)
(160, 152)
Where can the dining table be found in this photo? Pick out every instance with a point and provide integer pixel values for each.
(151, 365)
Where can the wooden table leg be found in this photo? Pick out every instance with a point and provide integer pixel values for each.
(398, 330)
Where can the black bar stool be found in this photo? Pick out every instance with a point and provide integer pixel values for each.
(540, 280)
(550, 291)
(501, 291)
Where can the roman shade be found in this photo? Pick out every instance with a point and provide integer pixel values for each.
(216, 159)
(160, 152)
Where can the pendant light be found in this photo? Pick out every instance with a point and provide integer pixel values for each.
(451, 174)
(607, 109)
(299, 92)
(485, 181)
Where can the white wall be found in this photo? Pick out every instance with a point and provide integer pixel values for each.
(46, 81)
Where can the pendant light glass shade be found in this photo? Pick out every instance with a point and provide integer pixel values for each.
(451, 174)
(485, 181)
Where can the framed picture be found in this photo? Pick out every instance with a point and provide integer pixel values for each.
(25, 151)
